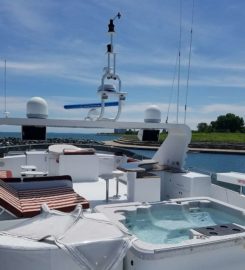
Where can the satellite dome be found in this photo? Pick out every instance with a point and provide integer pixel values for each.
(152, 114)
(37, 107)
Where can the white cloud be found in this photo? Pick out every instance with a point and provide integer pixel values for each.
(33, 67)
(220, 108)
(135, 79)
(27, 14)
(44, 40)
(59, 69)
(131, 112)
(16, 105)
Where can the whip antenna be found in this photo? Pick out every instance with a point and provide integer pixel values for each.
(5, 89)
(180, 36)
(172, 88)
(189, 62)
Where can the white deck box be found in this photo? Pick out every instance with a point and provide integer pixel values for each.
(82, 168)
(146, 189)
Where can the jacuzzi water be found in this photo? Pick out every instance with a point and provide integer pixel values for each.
(171, 224)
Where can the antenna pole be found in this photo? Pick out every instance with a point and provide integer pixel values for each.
(110, 74)
(5, 89)
(189, 62)
(110, 46)
(180, 33)
(5, 73)
(172, 87)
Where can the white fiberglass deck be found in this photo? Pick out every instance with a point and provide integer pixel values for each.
(95, 192)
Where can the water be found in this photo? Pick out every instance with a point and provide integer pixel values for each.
(216, 162)
(10, 134)
(208, 162)
(203, 162)
(171, 225)
(50, 135)
(94, 137)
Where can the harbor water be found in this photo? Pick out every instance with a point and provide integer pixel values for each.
(208, 162)
(202, 162)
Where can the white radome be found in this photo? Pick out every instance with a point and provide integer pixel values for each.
(152, 114)
(37, 107)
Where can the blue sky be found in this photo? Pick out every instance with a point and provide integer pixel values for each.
(56, 49)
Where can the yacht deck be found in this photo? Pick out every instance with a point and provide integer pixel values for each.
(95, 192)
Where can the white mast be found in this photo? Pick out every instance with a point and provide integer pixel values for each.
(110, 74)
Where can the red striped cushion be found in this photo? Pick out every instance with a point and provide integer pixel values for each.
(5, 174)
(7, 187)
(27, 203)
(9, 199)
(44, 192)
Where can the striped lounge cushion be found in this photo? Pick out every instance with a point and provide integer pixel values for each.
(27, 203)
(5, 174)
(9, 198)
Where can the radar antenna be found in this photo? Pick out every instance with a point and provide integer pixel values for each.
(105, 90)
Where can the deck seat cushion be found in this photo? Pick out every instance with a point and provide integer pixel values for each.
(35, 179)
(5, 174)
(27, 203)
(9, 199)
(84, 151)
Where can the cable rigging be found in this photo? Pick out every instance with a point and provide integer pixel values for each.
(180, 39)
(189, 61)
(172, 88)
(5, 88)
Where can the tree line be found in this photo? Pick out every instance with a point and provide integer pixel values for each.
(224, 123)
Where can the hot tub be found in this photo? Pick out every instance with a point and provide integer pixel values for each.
(196, 233)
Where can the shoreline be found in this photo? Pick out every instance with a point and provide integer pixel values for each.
(191, 149)
(214, 148)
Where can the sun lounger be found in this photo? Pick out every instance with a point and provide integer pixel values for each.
(5, 174)
(27, 202)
